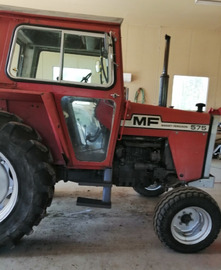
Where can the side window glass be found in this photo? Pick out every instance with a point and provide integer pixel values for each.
(38, 51)
(89, 123)
(85, 59)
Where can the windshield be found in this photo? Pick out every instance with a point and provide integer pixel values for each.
(62, 56)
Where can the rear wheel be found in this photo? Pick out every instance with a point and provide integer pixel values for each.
(26, 181)
(187, 219)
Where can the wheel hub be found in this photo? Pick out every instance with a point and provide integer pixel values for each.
(191, 225)
(185, 218)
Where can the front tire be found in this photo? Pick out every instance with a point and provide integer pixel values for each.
(187, 219)
(152, 190)
(26, 181)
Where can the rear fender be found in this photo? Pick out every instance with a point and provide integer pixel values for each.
(38, 110)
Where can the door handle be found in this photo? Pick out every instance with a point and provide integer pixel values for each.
(115, 95)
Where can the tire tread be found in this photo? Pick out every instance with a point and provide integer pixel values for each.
(39, 158)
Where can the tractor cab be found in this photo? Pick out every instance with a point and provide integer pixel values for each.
(79, 66)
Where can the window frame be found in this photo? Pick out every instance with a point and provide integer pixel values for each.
(106, 36)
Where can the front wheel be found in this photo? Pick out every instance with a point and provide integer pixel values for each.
(187, 219)
(152, 190)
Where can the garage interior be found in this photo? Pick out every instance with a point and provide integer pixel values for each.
(76, 237)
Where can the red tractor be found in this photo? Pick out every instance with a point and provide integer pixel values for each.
(64, 116)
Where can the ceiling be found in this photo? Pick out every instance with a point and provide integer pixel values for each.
(180, 13)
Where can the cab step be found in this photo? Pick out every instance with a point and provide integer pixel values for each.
(95, 184)
(92, 203)
(106, 200)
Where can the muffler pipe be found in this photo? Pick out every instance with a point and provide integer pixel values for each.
(164, 78)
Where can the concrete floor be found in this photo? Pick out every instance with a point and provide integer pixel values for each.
(74, 237)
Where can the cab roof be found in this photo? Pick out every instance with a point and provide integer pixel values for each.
(20, 11)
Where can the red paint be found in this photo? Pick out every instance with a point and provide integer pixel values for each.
(39, 104)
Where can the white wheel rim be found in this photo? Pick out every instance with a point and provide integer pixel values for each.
(8, 186)
(153, 187)
(191, 225)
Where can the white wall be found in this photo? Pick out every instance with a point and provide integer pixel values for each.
(194, 52)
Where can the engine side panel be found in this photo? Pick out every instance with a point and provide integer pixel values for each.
(187, 133)
(188, 150)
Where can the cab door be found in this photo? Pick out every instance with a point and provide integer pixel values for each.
(90, 110)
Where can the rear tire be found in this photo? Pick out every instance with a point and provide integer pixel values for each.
(187, 219)
(6, 117)
(26, 181)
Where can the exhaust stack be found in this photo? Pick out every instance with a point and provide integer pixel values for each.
(164, 78)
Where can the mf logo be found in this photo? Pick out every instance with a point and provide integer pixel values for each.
(146, 120)
(155, 122)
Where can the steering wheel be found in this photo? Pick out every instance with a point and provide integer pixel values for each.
(86, 78)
